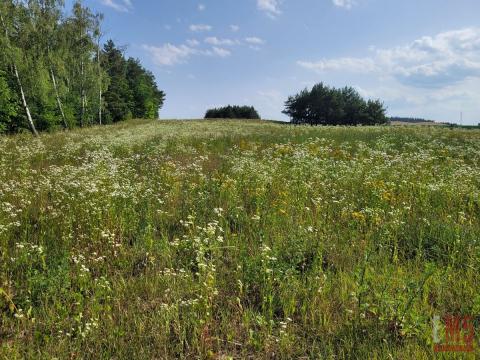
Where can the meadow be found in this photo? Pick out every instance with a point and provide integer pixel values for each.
(236, 239)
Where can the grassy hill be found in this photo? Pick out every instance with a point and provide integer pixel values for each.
(236, 239)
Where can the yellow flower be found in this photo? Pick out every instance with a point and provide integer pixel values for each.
(358, 216)
(387, 196)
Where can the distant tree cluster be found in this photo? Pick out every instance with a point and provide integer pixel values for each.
(232, 112)
(410, 120)
(323, 105)
(54, 72)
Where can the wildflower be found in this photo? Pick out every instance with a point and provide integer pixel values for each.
(358, 216)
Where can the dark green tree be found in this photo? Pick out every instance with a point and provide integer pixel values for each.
(147, 98)
(8, 105)
(119, 100)
(323, 105)
(232, 112)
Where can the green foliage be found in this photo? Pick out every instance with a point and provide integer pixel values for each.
(147, 99)
(119, 96)
(323, 105)
(233, 112)
(132, 90)
(8, 105)
(66, 78)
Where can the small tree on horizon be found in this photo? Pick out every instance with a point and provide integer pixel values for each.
(233, 112)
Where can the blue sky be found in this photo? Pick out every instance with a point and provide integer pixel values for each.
(421, 57)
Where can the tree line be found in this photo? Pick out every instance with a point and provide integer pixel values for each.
(56, 73)
(324, 105)
(410, 120)
(232, 112)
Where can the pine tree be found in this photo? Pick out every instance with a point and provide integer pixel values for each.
(119, 96)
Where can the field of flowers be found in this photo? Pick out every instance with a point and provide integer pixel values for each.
(229, 239)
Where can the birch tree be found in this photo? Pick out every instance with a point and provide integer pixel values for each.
(9, 9)
(55, 72)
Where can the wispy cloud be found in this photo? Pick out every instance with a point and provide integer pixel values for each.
(346, 63)
(270, 7)
(201, 7)
(192, 42)
(217, 51)
(119, 5)
(346, 4)
(170, 55)
(200, 27)
(254, 40)
(212, 40)
(234, 28)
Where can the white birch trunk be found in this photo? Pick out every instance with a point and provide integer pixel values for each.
(59, 102)
(24, 102)
(20, 87)
(99, 83)
(82, 94)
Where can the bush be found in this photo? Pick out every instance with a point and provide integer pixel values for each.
(330, 106)
(232, 112)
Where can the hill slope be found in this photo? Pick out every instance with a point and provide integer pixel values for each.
(176, 239)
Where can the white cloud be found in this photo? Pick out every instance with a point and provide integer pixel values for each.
(433, 77)
(201, 7)
(270, 7)
(346, 4)
(254, 40)
(200, 27)
(168, 54)
(192, 42)
(234, 28)
(350, 64)
(429, 62)
(221, 52)
(119, 5)
(437, 61)
(212, 40)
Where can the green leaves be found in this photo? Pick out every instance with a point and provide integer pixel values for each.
(233, 112)
(323, 105)
(65, 77)
(8, 104)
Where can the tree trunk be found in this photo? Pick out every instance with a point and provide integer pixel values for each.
(24, 102)
(59, 102)
(82, 94)
(100, 84)
(20, 87)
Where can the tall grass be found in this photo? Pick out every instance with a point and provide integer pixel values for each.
(229, 239)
